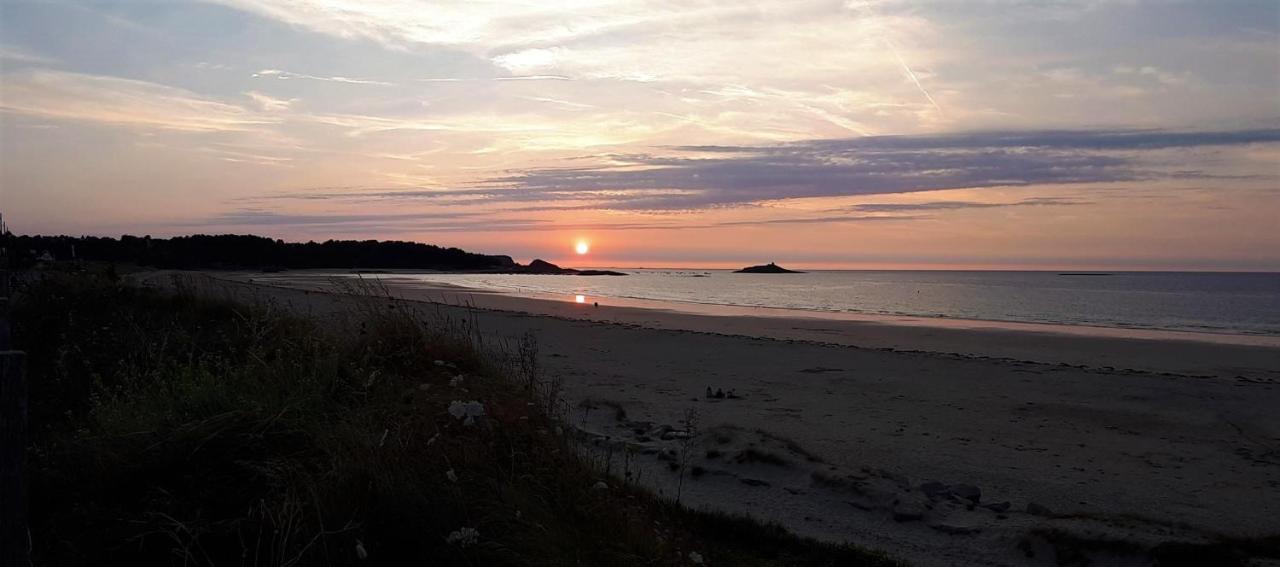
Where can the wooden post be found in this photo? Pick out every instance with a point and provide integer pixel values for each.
(15, 540)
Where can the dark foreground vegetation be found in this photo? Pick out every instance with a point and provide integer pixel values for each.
(244, 251)
(170, 429)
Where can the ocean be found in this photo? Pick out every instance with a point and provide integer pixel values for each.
(1234, 303)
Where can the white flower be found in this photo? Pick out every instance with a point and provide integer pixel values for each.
(466, 411)
(464, 537)
(452, 476)
(695, 557)
(360, 551)
(439, 363)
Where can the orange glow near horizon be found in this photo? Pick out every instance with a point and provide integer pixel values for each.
(828, 135)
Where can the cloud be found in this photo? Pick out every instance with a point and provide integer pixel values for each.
(568, 104)
(93, 98)
(268, 103)
(18, 55)
(534, 78)
(702, 176)
(957, 205)
(624, 40)
(258, 217)
(286, 75)
(528, 60)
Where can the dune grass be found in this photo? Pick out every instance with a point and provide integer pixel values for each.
(173, 429)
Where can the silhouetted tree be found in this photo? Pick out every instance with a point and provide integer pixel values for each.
(246, 251)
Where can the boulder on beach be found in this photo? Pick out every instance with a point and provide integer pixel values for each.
(770, 268)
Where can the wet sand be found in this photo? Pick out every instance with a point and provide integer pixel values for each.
(941, 445)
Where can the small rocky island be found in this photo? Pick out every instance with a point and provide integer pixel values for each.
(545, 267)
(770, 268)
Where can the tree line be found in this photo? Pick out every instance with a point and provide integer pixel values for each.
(231, 251)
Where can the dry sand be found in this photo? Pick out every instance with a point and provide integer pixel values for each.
(878, 434)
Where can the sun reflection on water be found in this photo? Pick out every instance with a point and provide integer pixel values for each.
(580, 298)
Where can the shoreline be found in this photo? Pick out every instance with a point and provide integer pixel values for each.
(844, 442)
(1161, 352)
(939, 321)
(729, 310)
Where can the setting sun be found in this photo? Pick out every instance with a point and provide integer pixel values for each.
(582, 247)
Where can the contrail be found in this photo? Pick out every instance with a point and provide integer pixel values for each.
(914, 79)
(865, 10)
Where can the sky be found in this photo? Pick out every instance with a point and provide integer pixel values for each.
(991, 134)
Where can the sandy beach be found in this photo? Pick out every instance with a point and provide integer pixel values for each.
(948, 444)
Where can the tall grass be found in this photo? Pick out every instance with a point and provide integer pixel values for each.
(174, 429)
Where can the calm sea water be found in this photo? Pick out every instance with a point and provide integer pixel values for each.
(1237, 303)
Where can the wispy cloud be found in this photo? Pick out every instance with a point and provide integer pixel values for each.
(506, 78)
(959, 205)
(268, 103)
(75, 96)
(259, 217)
(286, 75)
(17, 55)
(534, 78)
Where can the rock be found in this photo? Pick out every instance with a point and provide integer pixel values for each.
(967, 491)
(955, 528)
(600, 485)
(999, 507)
(908, 511)
(695, 558)
(501, 260)
(1038, 510)
(910, 507)
(540, 266)
(770, 268)
(545, 267)
(935, 490)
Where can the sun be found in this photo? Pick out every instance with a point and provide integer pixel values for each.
(582, 247)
